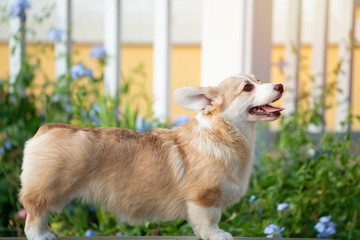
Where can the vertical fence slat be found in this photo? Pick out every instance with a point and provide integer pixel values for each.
(112, 47)
(257, 36)
(346, 32)
(222, 40)
(292, 56)
(161, 67)
(17, 45)
(236, 38)
(319, 56)
(63, 47)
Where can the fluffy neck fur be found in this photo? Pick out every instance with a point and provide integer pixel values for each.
(246, 128)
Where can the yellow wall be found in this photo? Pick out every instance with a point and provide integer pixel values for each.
(305, 82)
(185, 69)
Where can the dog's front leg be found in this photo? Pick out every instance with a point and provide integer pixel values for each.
(204, 221)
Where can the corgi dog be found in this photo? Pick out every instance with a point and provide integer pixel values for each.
(192, 172)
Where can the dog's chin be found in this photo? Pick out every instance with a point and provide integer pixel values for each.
(264, 112)
(264, 118)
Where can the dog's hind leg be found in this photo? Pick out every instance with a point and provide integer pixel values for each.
(204, 221)
(38, 204)
(36, 227)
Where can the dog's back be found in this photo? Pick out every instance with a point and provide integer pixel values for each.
(124, 170)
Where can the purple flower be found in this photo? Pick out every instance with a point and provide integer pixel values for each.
(97, 51)
(54, 34)
(18, 7)
(282, 64)
(180, 120)
(78, 71)
(273, 229)
(282, 206)
(325, 227)
(8, 144)
(90, 232)
(141, 124)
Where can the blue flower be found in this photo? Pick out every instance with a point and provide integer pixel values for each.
(54, 34)
(8, 144)
(91, 208)
(325, 227)
(2, 151)
(119, 234)
(273, 229)
(282, 206)
(13, 99)
(55, 98)
(325, 219)
(78, 71)
(320, 152)
(96, 107)
(66, 98)
(89, 73)
(95, 113)
(141, 124)
(116, 112)
(18, 7)
(24, 94)
(90, 232)
(97, 51)
(68, 208)
(84, 114)
(180, 120)
(67, 108)
(251, 198)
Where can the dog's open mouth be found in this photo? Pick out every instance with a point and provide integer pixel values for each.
(265, 110)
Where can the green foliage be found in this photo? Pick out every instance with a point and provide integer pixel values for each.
(315, 178)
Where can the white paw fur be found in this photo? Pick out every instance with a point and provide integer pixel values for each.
(35, 234)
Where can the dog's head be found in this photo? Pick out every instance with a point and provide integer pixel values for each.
(238, 98)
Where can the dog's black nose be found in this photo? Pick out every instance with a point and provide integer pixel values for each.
(279, 88)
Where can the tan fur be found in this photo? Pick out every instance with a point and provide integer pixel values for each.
(140, 176)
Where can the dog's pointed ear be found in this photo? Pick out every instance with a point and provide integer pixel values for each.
(197, 98)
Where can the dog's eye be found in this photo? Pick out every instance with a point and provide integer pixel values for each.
(248, 87)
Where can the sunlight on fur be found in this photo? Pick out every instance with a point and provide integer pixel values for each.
(192, 172)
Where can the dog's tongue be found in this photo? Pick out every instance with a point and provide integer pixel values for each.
(271, 109)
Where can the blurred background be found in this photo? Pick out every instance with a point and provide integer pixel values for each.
(116, 63)
(187, 30)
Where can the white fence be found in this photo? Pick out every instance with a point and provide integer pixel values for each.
(236, 37)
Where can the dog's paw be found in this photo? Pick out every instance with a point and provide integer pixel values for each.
(48, 235)
(218, 235)
(53, 232)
